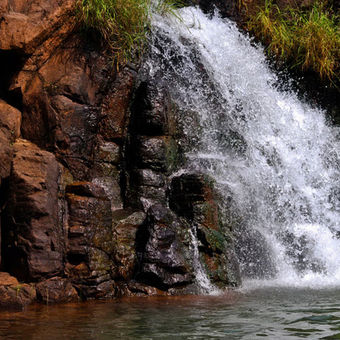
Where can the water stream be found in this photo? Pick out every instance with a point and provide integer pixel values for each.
(274, 155)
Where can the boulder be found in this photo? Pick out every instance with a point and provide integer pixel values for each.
(32, 234)
(56, 290)
(16, 296)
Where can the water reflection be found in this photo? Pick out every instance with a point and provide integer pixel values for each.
(270, 313)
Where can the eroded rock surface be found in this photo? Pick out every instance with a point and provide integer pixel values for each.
(33, 237)
(56, 290)
(87, 157)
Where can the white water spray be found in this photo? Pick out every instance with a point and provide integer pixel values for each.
(274, 155)
(201, 277)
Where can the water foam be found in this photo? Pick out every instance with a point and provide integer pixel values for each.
(277, 157)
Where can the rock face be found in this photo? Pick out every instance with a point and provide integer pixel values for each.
(10, 122)
(87, 161)
(162, 258)
(193, 196)
(33, 236)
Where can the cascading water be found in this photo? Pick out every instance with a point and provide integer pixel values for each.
(201, 277)
(274, 155)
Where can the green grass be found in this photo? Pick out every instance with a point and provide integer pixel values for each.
(122, 25)
(306, 39)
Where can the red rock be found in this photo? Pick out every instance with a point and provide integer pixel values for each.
(7, 280)
(24, 25)
(125, 228)
(116, 106)
(16, 296)
(56, 290)
(10, 121)
(33, 235)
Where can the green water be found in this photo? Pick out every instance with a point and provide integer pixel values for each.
(260, 314)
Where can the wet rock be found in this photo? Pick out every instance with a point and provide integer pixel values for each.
(56, 290)
(89, 235)
(194, 197)
(226, 8)
(162, 261)
(32, 234)
(110, 182)
(16, 296)
(148, 178)
(108, 152)
(153, 113)
(139, 289)
(158, 153)
(254, 254)
(116, 105)
(125, 230)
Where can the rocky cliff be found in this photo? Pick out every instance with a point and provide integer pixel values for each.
(91, 204)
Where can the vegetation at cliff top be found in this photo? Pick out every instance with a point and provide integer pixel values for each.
(122, 24)
(306, 38)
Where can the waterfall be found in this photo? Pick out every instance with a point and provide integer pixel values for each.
(274, 155)
(202, 279)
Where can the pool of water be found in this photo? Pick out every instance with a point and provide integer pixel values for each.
(272, 313)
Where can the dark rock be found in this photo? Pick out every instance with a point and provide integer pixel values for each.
(193, 194)
(89, 240)
(162, 260)
(194, 197)
(32, 234)
(153, 113)
(56, 290)
(158, 153)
